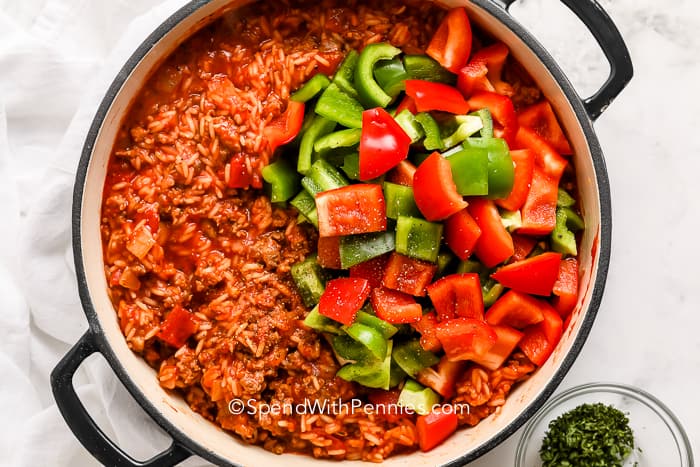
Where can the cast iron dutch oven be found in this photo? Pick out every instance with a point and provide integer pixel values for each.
(191, 433)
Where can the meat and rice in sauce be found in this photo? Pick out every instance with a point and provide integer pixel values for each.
(178, 239)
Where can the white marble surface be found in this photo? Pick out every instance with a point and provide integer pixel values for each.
(646, 330)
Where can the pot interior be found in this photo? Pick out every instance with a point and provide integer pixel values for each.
(210, 440)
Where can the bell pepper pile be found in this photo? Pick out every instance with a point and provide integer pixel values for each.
(444, 234)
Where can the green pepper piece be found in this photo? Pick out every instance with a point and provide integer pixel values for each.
(564, 199)
(470, 171)
(433, 140)
(345, 74)
(318, 127)
(317, 321)
(399, 201)
(323, 177)
(369, 92)
(391, 76)
(467, 125)
(351, 165)
(386, 329)
(369, 337)
(309, 279)
(356, 249)
(418, 397)
(425, 68)
(338, 139)
(407, 122)
(486, 121)
(349, 349)
(444, 261)
(418, 238)
(396, 374)
(283, 180)
(573, 220)
(375, 374)
(511, 220)
(311, 88)
(306, 205)
(563, 240)
(491, 292)
(469, 266)
(339, 107)
(501, 169)
(412, 358)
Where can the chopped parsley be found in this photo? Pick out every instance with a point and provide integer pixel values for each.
(590, 435)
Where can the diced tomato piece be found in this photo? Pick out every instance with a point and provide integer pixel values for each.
(402, 174)
(502, 111)
(434, 189)
(372, 270)
(495, 244)
(516, 309)
(566, 287)
(494, 56)
(465, 338)
(457, 295)
(286, 127)
(541, 339)
(328, 252)
(524, 162)
(435, 427)
(408, 275)
(546, 157)
(350, 210)
(383, 143)
(343, 298)
(238, 176)
(535, 275)
(395, 307)
(150, 217)
(426, 327)
(177, 327)
(461, 234)
(472, 78)
(540, 117)
(507, 339)
(523, 246)
(452, 42)
(443, 378)
(436, 96)
(407, 103)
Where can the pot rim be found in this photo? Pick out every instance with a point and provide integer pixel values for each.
(604, 239)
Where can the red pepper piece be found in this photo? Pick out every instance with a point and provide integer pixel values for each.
(457, 295)
(177, 327)
(523, 246)
(494, 56)
(535, 275)
(408, 275)
(383, 143)
(507, 339)
(495, 244)
(402, 174)
(461, 234)
(286, 127)
(350, 210)
(434, 189)
(473, 78)
(395, 307)
(524, 161)
(343, 298)
(566, 287)
(239, 175)
(541, 339)
(436, 96)
(452, 42)
(546, 158)
(516, 309)
(540, 117)
(372, 270)
(328, 252)
(426, 327)
(434, 428)
(443, 378)
(407, 103)
(465, 338)
(502, 111)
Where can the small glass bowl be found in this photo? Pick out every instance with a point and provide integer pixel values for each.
(657, 432)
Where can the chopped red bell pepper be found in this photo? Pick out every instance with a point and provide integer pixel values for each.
(443, 378)
(435, 427)
(461, 234)
(177, 327)
(457, 295)
(402, 174)
(540, 117)
(473, 78)
(436, 96)
(408, 275)
(388, 400)
(541, 339)
(452, 42)
(328, 252)
(495, 244)
(286, 127)
(546, 157)
(383, 143)
(372, 270)
(535, 275)
(465, 338)
(434, 189)
(502, 111)
(524, 161)
(343, 298)
(516, 309)
(539, 212)
(507, 339)
(566, 287)
(407, 103)
(350, 210)
(523, 246)
(239, 175)
(494, 56)
(426, 327)
(395, 307)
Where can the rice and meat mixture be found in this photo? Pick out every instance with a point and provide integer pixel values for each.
(176, 236)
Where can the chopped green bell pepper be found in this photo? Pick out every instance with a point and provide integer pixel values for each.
(283, 180)
(375, 374)
(425, 68)
(412, 358)
(573, 220)
(351, 165)
(564, 199)
(563, 239)
(375, 342)
(306, 205)
(467, 125)
(501, 169)
(407, 122)
(397, 375)
(511, 220)
(490, 291)
(418, 398)
(311, 88)
(310, 280)
(399, 201)
(323, 177)
(431, 129)
(418, 238)
(339, 107)
(486, 121)
(349, 349)
(391, 76)
(356, 249)
(338, 139)
(317, 321)
(470, 171)
(346, 72)
(445, 261)
(386, 329)
(369, 92)
(318, 127)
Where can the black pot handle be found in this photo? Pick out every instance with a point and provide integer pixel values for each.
(84, 427)
(613, 45)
